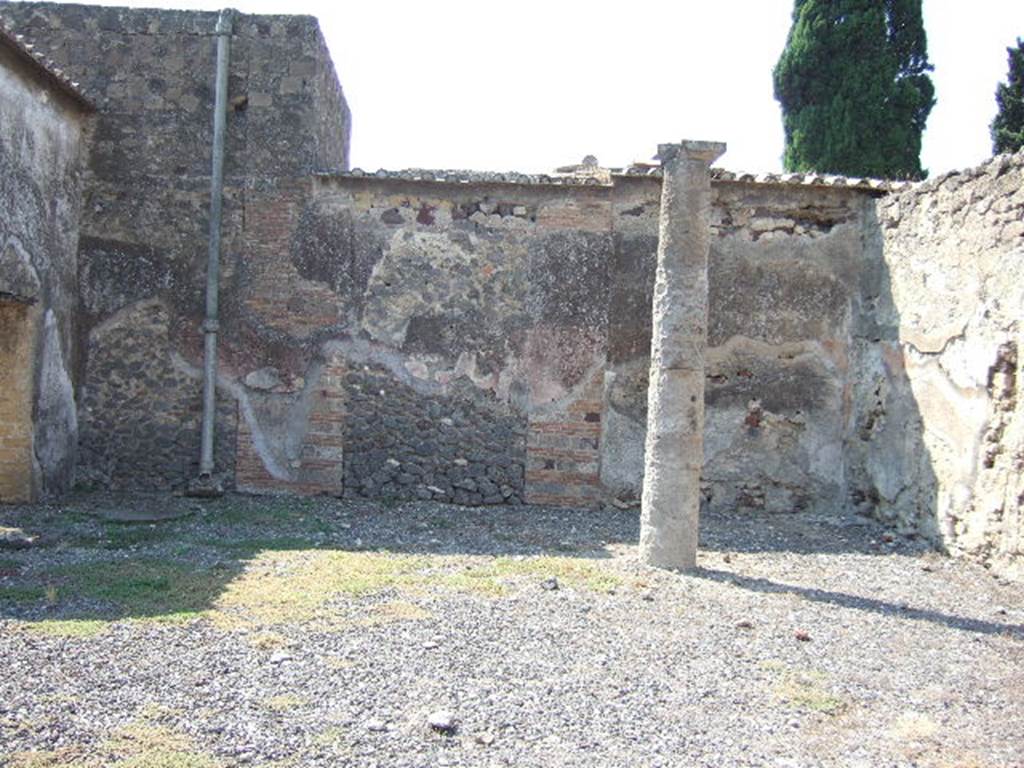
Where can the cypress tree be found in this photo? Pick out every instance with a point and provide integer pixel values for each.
(854, 89)
(1008, 126)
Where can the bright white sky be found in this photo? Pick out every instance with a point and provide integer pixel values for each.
(534, 84)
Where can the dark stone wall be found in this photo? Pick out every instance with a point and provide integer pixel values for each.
(131, 439)
(400, 444)
(145, 221)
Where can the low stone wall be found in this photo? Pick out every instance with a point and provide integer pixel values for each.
(939, 442)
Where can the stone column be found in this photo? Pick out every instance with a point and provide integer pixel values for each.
(674, 454)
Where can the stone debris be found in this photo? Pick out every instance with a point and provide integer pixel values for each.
(581, 175)
(442, 721)
(16, 538)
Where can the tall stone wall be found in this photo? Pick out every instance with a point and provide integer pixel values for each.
(41, 156)
(145, 219)
(938, 446)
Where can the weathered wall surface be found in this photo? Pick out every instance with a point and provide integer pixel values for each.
(491, 341)
(939, 447)
(41, 155)
(785, 271)
(468, 327)
(145, 219)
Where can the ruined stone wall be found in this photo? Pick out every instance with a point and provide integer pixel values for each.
(465, 325)
(41, 156)
(468, 340)
(490, 342)
(785, 271)
(939, 441)
(145, 219)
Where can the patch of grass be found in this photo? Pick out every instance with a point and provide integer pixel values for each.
(176, 617)
(284, 702)
(9, 564)
(806, 689)
(279, 587)
(154, 711)
(22, 594)
(269, 575)
(142, 587)
(67, 757)
(293, 586)
(139, 745)
(124, 535)
(493, 575)
(143, 745)
(913, 726)
(268, 641)
(83, 628)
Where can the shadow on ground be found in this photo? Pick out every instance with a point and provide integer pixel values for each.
(260, 561)
(872, 605)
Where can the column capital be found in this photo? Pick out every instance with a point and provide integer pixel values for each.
(705, 151)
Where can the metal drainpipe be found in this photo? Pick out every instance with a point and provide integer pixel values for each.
(210, 324)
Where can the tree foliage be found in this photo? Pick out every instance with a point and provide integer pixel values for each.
(854, 88)
(1008, 126)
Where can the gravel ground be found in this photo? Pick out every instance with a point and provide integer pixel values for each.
(321, 632)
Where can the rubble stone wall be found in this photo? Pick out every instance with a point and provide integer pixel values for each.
(938, 446)
(41, 156)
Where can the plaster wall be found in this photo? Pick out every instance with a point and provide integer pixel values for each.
(41, 154)
(939, 446)
(784, 281)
